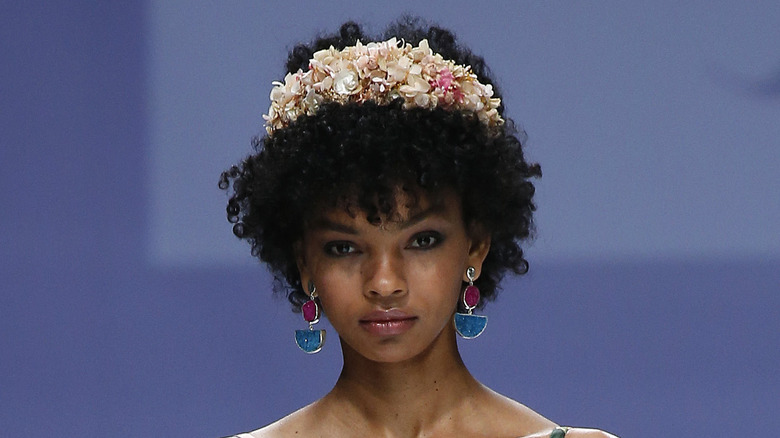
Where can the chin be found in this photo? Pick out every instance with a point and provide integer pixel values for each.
(393, 351)
(385, 351)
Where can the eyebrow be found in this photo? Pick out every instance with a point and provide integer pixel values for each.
(326, 224)
(329, 225)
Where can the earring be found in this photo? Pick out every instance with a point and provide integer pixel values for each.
(467, 325)
(310, 340)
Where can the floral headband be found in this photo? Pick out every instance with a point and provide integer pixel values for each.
(381, 72)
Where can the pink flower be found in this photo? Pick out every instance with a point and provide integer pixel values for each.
(445, 79)
(458, 95)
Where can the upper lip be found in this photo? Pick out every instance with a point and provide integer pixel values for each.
(386, 315)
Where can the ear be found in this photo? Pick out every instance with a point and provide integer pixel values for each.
(478, 249)
(300, 261)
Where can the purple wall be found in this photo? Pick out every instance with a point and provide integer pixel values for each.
(97, 340)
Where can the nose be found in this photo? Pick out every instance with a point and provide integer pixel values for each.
(385, 275)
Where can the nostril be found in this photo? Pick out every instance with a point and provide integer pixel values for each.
(386, 292)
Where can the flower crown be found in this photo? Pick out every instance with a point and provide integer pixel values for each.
(381, 72)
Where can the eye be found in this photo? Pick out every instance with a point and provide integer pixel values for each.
(339, 248)
(426, 240)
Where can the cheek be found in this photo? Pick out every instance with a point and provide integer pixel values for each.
(338, 292)
(440, 285)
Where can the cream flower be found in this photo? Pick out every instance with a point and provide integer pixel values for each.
(381, 72)
(346, 82)
(414, 85)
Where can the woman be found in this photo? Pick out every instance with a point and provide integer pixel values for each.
(391, 194)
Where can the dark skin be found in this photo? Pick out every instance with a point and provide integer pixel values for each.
(403, 375)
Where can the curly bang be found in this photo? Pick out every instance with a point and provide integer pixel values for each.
(358, 155)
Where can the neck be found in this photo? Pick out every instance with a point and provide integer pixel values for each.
(409, 397)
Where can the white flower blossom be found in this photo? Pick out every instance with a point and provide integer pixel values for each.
(381, 72)
(346, 82)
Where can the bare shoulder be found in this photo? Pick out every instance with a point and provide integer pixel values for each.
(588, 433)
(527, 423)
(294, 424)
(504, 416)
(571, 432)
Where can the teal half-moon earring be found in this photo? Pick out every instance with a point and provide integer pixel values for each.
(310, 340)
(468, 325)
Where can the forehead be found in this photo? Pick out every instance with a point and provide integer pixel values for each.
(404, 207)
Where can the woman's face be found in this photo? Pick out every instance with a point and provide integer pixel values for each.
(390, 290)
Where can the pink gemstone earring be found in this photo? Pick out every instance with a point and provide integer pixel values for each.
(467, 325)
(310, 340)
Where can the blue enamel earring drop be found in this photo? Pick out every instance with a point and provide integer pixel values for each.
(467, 325)
(310, 340)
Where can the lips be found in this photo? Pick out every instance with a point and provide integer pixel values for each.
(390, 322)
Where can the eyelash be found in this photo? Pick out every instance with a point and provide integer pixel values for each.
(341, 249)
(436, 237)
(332, 248)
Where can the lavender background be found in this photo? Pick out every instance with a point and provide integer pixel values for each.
(128, 309)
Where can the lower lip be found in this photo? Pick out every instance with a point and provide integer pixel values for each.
(388, 328)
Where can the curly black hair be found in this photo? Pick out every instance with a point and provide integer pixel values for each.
(358, 155)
